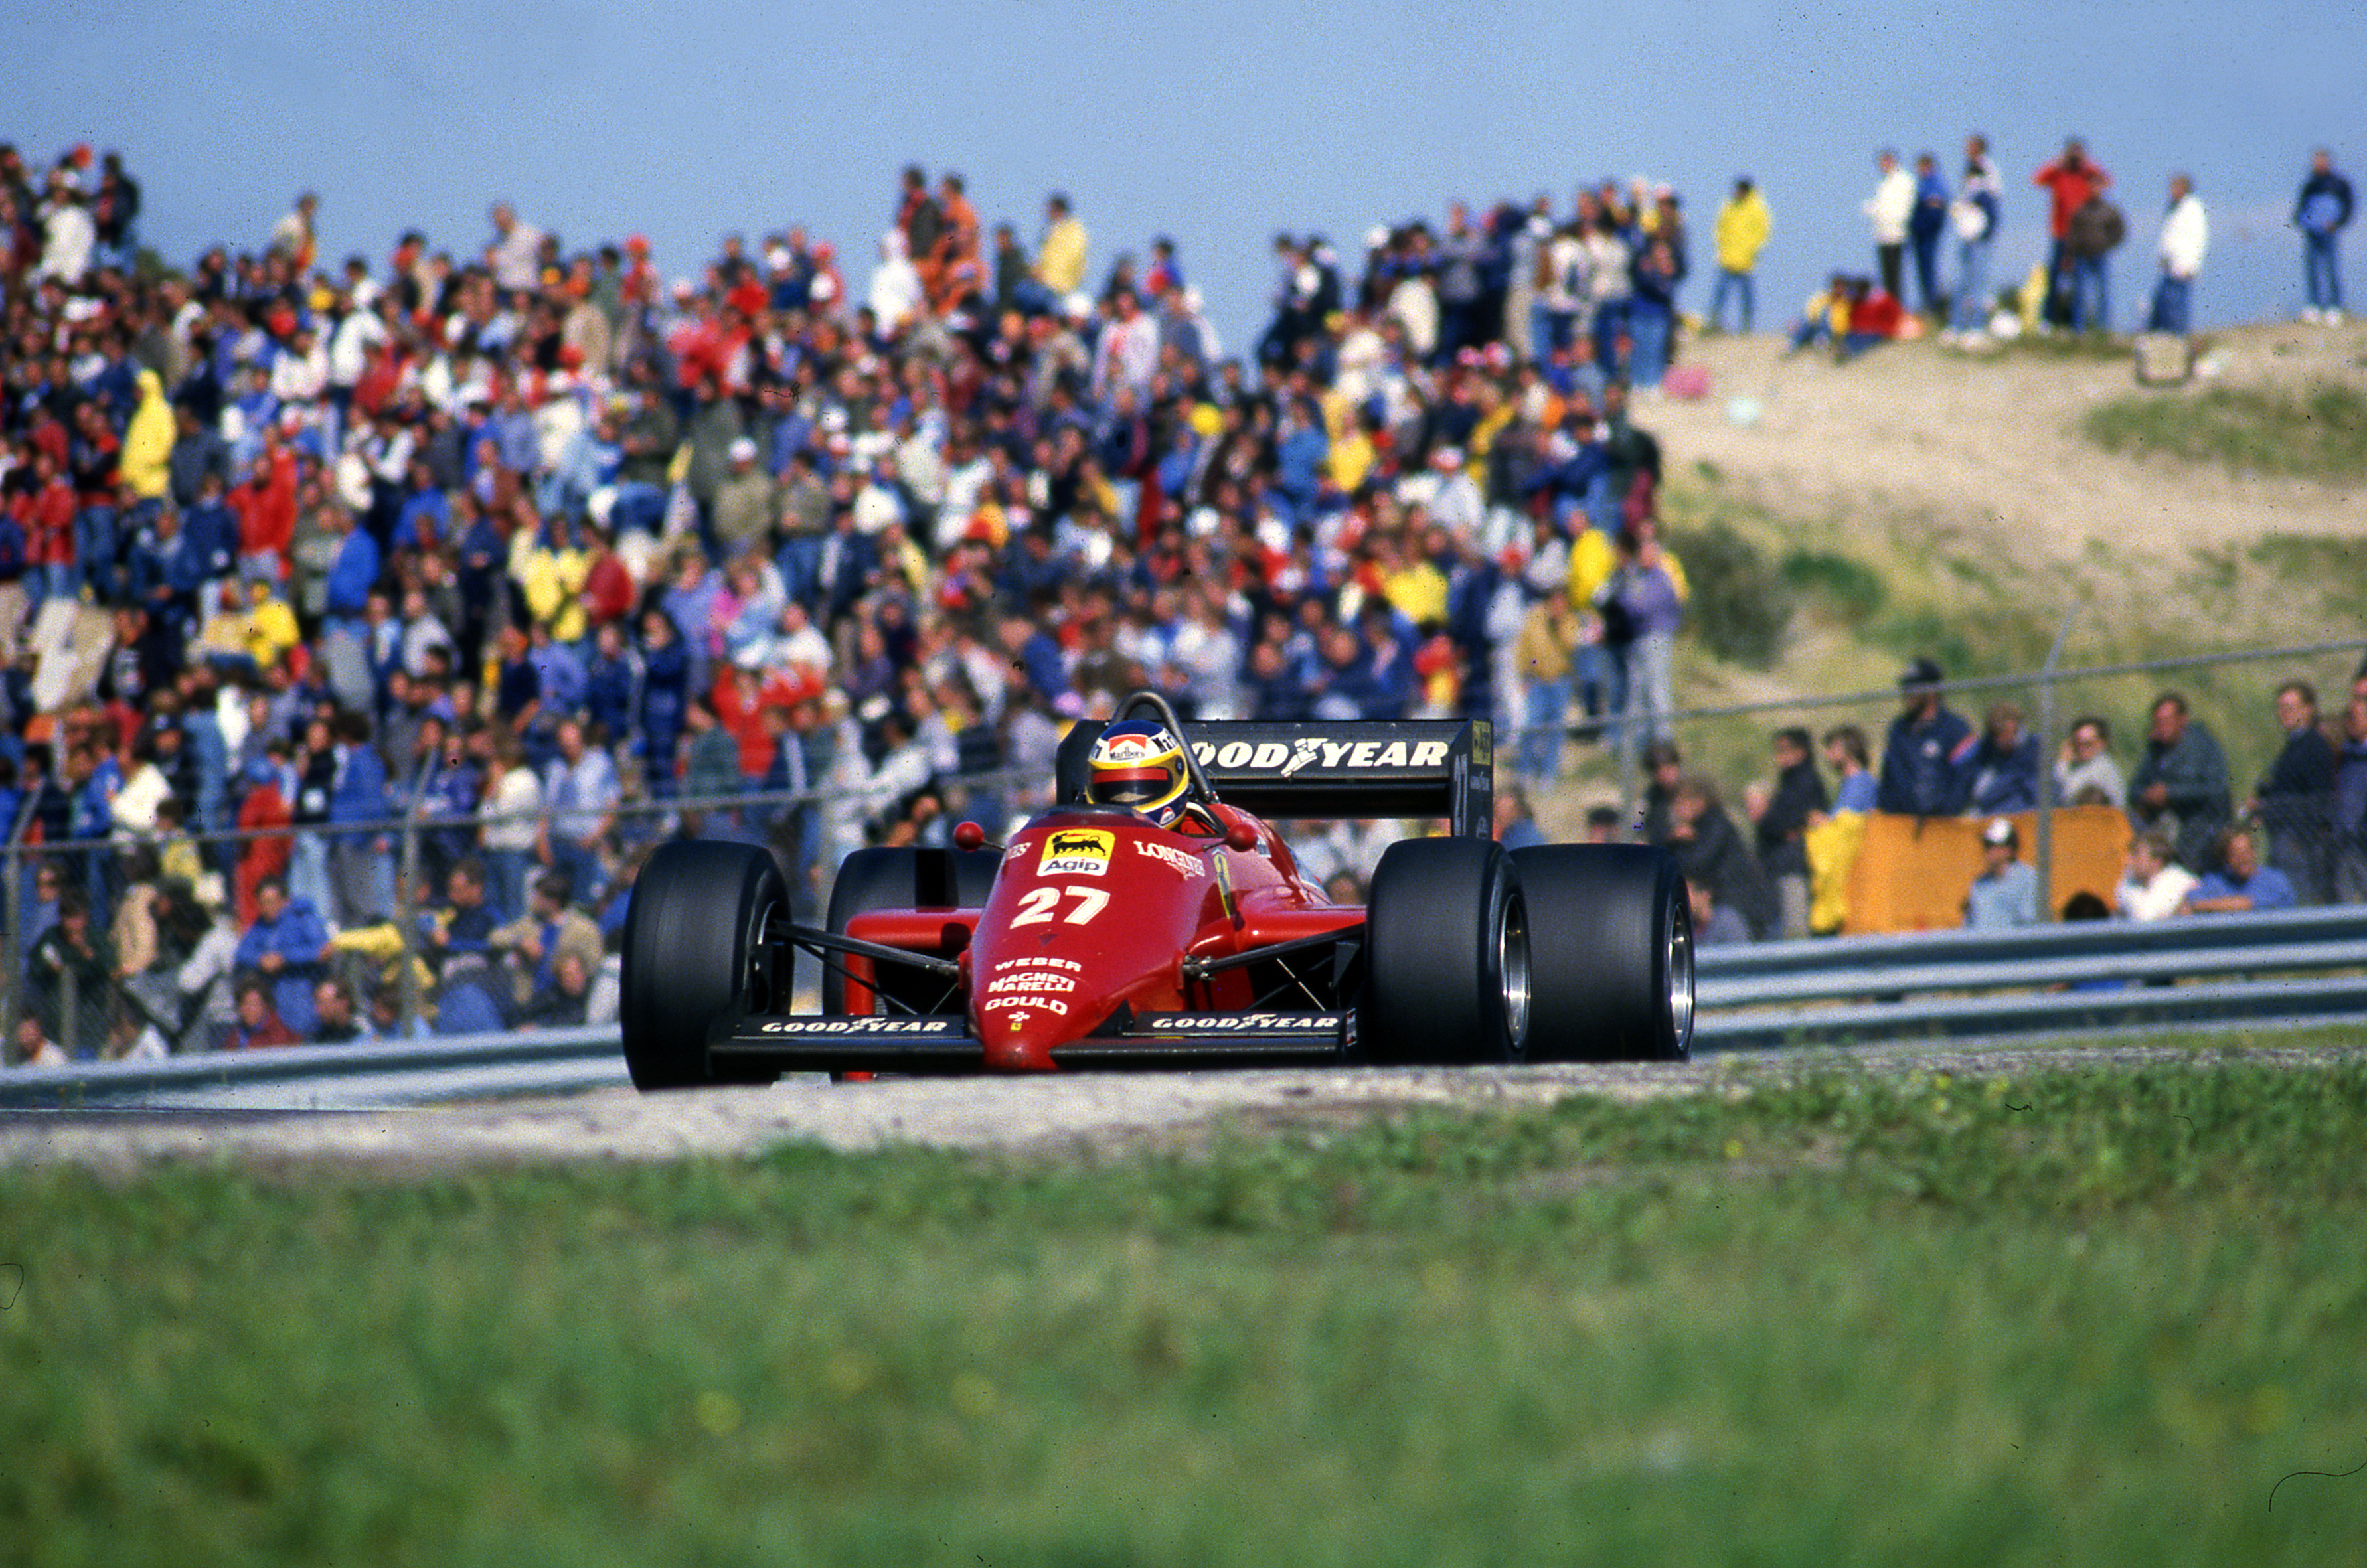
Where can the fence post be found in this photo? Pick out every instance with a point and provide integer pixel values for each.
(11, 884)
(406, 894)
(2042, 852)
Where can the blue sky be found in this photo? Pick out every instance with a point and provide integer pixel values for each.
(1218, 123)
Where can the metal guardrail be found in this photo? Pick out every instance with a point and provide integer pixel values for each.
(370, 1077)
(2293, 967)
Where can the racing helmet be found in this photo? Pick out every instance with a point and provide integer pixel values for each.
(1141, 765)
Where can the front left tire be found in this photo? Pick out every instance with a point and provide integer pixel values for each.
(694, 953)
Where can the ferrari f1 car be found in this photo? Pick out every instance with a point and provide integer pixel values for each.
(1101, 937)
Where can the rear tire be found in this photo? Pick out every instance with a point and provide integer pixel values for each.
(1611, 953)
(1446, 955)
(694, 954)
(902, 879)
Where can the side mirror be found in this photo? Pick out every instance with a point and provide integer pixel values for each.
(1240, 836)
(968, 836)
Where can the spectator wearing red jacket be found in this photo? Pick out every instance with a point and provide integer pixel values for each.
(49, 523)
(266, 506)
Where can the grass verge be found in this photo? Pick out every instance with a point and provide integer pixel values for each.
(2090, 1319)
(2318, 434)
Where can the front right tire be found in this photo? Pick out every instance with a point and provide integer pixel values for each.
(1611, 937)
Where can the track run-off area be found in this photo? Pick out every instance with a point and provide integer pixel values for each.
(1080, 1114)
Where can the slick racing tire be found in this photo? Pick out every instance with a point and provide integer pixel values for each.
(694, 953)
(1446, 955)
(902, 879)
(1611, 953)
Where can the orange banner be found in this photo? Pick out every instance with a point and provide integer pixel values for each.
(1913, 871)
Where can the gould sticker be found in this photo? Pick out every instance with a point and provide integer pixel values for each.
(1076, 852)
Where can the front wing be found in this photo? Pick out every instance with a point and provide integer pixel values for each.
(757, 1047)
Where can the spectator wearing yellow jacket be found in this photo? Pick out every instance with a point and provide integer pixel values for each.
(148, 441)
(1743, 225)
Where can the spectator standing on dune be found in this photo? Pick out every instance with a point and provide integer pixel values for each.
(2082, 231)
(1891, 209)
(2321, 212)
(2185, 235)
(1925, 229)
(1974, 215)
(1743, 225)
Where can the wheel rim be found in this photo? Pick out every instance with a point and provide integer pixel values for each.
(1678, 963)
(756, 976)
(1512, 964)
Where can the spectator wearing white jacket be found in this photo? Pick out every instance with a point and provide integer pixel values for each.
(1890, 209)
(2185, 236)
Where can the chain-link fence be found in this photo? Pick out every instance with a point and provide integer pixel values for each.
(173, 942)
(2034, 744)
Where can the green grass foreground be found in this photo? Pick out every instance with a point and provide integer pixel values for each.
(2060, 1320)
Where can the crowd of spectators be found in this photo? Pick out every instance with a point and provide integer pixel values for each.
(441, 577)
(1918, 214)
(2298, 837)
(451, 583)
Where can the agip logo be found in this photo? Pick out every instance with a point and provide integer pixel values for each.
(1076, 852)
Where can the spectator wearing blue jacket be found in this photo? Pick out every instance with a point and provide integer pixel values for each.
(1925, 226)
(1975, 216)
(1924, 770)
(354, 571)
(286, 946)
(362, 864)
(2241, 884)
(2321, 212)
(2004, 765)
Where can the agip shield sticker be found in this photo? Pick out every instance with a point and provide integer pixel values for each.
(1077, 851)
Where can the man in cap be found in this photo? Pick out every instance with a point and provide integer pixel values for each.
(743, 501)
(2004, 897)
(1924, 770)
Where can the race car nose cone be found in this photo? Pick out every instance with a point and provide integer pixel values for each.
(1018, 1043)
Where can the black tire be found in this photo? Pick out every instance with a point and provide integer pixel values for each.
(903, 879)
(1446, 955)
(1611, 953)
(694, 954)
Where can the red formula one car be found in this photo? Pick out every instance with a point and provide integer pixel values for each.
(1102, 937)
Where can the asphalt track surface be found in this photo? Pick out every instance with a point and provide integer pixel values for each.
(1048, 1116)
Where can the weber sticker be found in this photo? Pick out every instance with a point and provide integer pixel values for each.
(1076, 852)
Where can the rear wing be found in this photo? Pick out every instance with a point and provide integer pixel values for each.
(1370, 768)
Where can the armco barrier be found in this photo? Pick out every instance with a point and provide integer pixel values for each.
(335, 1077)
(2298, 966)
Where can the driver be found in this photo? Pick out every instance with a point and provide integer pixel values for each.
(1139, 764)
